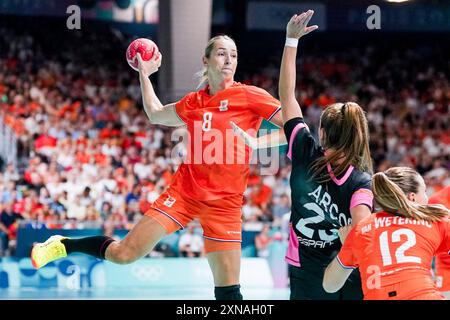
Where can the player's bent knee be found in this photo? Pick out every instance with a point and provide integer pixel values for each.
(125, 259)
(124, 256)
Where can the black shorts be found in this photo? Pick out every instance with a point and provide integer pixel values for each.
(306, 284)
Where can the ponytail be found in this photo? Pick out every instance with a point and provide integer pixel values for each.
(202, 77)
(346, 139)
(392, 199)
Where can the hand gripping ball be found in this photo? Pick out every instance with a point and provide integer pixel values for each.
(147, 48)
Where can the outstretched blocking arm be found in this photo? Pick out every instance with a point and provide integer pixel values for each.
(290, 108)
(156, 112)
(296, 28)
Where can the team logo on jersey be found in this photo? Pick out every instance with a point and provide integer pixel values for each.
(223, 105)
(169, 201)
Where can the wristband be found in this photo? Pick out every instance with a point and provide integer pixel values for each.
(291, 42)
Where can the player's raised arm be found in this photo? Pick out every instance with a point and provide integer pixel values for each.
(156, 112)
(296, 28)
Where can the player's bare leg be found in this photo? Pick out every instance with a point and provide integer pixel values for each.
(226, 267)
(137, 243)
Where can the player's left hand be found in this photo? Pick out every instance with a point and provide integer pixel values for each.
(297, 26)
(249, 140)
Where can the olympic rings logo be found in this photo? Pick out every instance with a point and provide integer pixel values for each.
(147, 273)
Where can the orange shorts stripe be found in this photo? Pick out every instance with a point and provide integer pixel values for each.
(214, 246)
(164, 219)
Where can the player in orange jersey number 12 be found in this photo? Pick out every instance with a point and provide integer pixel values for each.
(393, 249)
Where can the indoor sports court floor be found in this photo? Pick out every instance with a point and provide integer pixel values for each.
(135, 294)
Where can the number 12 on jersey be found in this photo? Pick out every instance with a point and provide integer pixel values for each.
(400, 252)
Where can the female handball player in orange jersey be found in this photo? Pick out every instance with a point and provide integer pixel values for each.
(442, 261)
(207, 187)
(393, 249)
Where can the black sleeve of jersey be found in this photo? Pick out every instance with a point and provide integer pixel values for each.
(290, 125)
(303, 148)
(364, 181)
(367, 183)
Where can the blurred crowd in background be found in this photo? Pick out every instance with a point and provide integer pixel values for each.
(88, 157)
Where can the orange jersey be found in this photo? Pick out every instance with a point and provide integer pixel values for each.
(442, 260)
(394, 255)
(441, 197)
(217, 162)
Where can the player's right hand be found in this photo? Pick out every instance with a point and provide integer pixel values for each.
(297, 26)
(146, 68)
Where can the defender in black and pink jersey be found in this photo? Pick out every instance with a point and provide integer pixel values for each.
(318, 211)
(330, 181)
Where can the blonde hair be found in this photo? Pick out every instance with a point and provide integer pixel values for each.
(346, 138)
(390, 189)
(202, 75)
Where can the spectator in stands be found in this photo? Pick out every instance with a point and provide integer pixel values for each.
(76, 210)
(281, 207)
(11, 173)
(262, 241)
(106, 210)
(8, 226)
(261, 195)
(251, 212)
(190, 243)
(4, 232)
